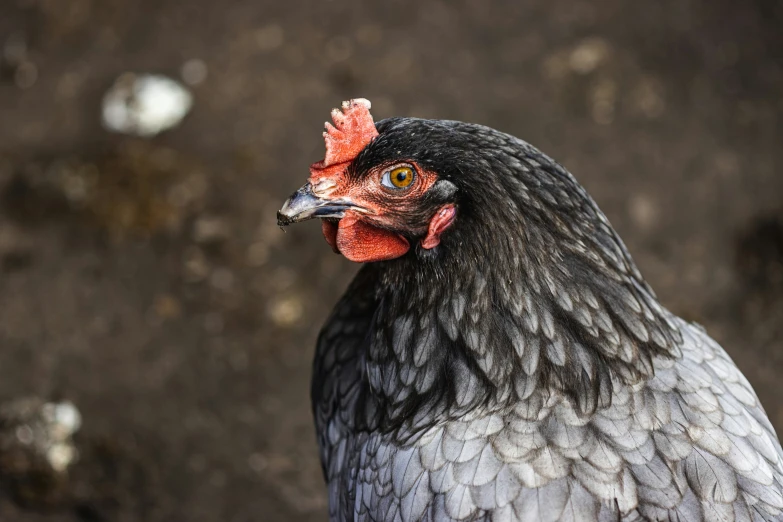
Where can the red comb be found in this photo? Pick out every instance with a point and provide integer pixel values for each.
(353, 129)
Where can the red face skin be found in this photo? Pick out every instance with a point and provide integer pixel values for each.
(360, 236)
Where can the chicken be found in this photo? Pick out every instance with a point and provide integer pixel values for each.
(499, 357)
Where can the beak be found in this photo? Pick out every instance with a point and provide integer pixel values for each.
(304, 205)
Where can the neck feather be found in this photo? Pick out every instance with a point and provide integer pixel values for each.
(493, 316)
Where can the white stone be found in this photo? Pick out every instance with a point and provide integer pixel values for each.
(66, 414)
(145, 105)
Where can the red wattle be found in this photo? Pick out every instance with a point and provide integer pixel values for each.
(329, 229)
(364, 243)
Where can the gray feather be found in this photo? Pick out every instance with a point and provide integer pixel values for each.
(552, 386)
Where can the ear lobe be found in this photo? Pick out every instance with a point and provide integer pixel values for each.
(439, 223)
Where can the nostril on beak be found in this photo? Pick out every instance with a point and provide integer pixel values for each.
(304, 205)
(323, 187)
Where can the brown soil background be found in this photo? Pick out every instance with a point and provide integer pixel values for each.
(163, 300)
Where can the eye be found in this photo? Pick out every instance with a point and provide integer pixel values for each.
(398, 178)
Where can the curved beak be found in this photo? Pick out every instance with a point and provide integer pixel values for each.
(304, 205)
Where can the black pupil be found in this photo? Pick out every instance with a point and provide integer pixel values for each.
(401, 176)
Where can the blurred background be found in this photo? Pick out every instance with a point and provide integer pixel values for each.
(149, 303)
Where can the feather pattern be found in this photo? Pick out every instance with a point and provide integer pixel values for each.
(505, 465)
(549, 386)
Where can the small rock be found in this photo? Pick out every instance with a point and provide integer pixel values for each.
(588, 55)
(145, 105)
(210, 230)
(60, 456)
(286, 311)
(167, 307)
(64, 417)
(196, 265)
(24, 434)
(643, 211)
(194, 72)
(36, 436)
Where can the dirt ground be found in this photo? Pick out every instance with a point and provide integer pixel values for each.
(146, 281)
